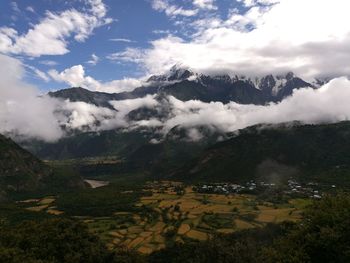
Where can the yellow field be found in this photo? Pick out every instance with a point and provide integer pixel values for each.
(226, 214)
(181, 217)
(194, 234)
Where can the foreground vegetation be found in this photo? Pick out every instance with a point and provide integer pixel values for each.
(322, 235)
(160, 214)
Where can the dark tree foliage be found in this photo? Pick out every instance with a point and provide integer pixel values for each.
(54, 240)
(244, 246)
(306, 152)
(103, 201)
(323, 235)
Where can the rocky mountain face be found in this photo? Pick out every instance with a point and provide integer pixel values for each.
(185, 85)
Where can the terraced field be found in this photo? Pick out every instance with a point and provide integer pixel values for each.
(195, 217)
(178, 216)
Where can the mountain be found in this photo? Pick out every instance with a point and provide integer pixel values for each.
(274, 153)
(185, 85)
(135, 150)
(21, 172)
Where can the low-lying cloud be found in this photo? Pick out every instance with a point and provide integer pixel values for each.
(26, 114)
(324, 105)
(22, 111)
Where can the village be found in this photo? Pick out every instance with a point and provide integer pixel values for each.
(292, 188)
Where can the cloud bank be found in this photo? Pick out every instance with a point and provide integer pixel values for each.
(310, 38)
(50, 36)
(75, 77)
(24, 113)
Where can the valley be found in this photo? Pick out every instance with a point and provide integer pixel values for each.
(149, 198)
(174, 131)
(173, 212)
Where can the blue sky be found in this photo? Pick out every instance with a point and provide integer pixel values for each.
(135, 24)
(113, 45)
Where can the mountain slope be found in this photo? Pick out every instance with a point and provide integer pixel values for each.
(276, 153)
(20, 171)
(187, 85)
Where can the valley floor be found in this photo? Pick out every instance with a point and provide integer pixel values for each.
(176, 213)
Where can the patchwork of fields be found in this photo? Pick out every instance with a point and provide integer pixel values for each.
(178, 216)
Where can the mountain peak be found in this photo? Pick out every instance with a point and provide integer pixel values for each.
(178, 72)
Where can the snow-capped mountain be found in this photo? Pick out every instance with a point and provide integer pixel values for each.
(185, 84)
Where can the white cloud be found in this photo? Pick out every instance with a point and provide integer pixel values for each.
(39, 74)
(129, 55)
(325, 105)
(50, 63)
(30, 9)
(88, 117)
(172, 10)
(75, 77)
(125, 40)
(159, 31)
(22, 112)
(310, 38)
(94, 60)
(15, 7)
(50, 36)
(250, 3)
(205, 4)
(83, 116)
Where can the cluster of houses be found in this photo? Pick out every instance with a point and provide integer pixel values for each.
(311, 189)
(293, 188)
(228, 188)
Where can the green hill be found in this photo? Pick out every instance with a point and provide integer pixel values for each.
(274, 153)
(21, 172)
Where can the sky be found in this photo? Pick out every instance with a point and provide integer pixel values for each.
(114, 45)
(120, 26)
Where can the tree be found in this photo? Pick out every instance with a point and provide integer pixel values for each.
(53, 240)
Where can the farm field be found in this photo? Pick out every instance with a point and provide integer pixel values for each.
(175, 213)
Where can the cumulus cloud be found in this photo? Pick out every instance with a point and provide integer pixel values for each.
(87, 117)
(75, 77)
(25, 113)
(50, 36)
(83, 116)
(22, 111)
(310, 38)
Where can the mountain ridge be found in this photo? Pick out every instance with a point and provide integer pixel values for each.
(279, 151)
(22, 172)
(186, 85)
